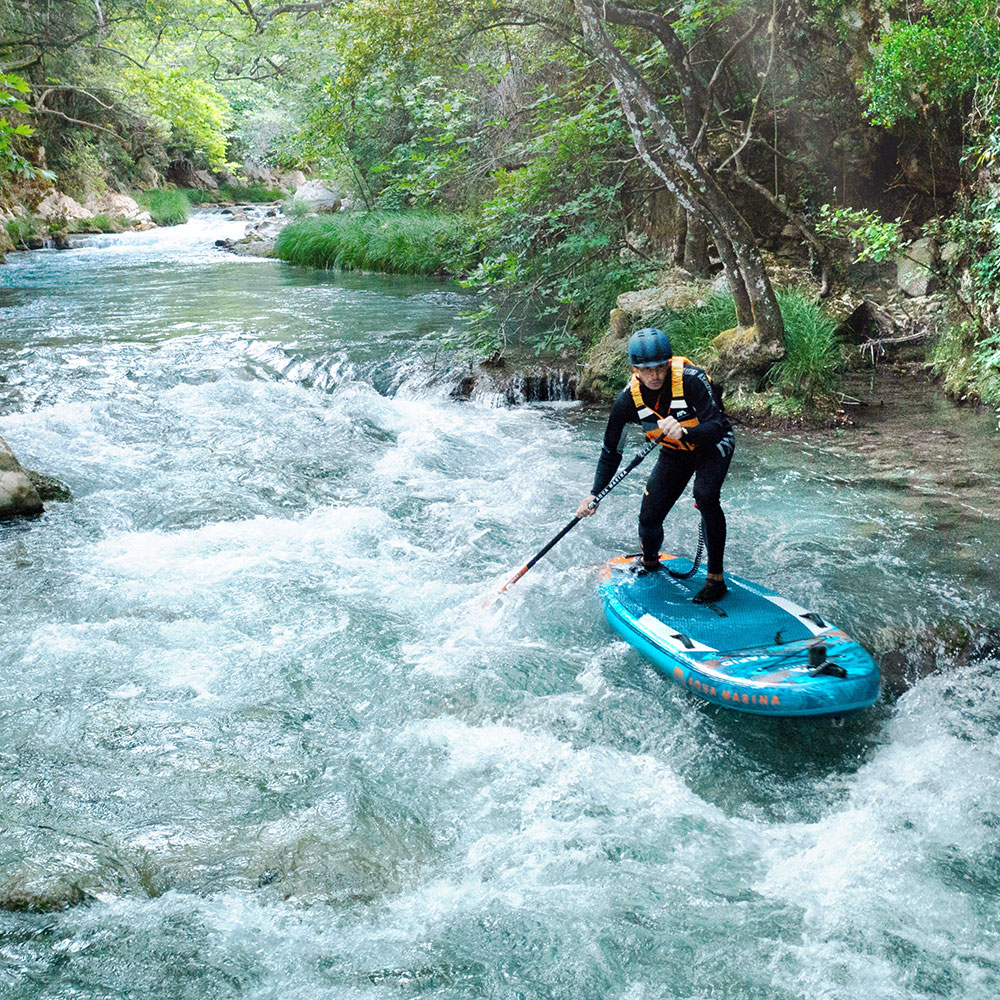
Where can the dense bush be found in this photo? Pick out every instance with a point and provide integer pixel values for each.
(22, 229)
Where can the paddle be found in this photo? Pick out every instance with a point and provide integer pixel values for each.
(619, 476)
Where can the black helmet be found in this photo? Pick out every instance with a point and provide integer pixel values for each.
(649, 347)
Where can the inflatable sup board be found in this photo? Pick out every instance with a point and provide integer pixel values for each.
(753, 650)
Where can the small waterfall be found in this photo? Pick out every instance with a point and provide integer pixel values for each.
(482, 383)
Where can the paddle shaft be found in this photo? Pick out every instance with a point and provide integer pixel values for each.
(618, 477)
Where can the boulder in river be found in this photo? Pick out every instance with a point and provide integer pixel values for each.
(320, 196)
(18, 497)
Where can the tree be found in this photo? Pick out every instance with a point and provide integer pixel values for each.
(678, 161)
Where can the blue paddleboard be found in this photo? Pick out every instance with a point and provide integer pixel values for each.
(753, 650)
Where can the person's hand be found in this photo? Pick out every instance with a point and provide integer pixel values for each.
(585, 510)
(671, 428)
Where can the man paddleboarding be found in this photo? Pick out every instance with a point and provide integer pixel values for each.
(674, 402)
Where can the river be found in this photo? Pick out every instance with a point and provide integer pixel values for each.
(260, 739)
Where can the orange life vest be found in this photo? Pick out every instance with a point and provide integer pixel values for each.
(649, 418)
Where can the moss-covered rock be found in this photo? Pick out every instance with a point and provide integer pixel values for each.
(48, 487)
(606, 368)
(741, 360)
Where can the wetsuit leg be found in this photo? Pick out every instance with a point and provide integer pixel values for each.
(710, 472)
(666, 483)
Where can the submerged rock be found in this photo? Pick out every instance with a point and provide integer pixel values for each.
(37, 892)
(49, 488)
(18, 497)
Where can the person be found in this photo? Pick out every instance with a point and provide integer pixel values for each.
(675, 402)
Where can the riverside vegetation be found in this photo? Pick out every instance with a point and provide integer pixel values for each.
(556, 155)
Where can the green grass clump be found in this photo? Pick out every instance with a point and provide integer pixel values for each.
(968, 364)
(295, 208)
(812, 367)
(104, 224)
(233, 192)
(167, 206)
(199, 196)
(691, 331)
(21, 229)
(251, 192)
(393, 242)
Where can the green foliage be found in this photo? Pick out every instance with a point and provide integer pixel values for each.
(81, 172)
(812, 367)
(167, 206)
(967, 356)
(22, 229)
(13, 162)
(104, 224)
(555, 230)
(969, 365)
(934, 60)
(401, 243)
(295, 208)
(870, 237)
(253, 193)
(196, 113)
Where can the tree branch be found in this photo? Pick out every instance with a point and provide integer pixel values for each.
(723, 62)
(77, 121)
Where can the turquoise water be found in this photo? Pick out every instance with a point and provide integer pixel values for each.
(260, 739)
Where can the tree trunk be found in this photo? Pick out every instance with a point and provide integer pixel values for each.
(696, 246)
(680, 232)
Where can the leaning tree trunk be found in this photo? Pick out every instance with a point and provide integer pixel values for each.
(749, 351)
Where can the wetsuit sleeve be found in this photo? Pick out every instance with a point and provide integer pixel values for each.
(622, 413)
(712, 423)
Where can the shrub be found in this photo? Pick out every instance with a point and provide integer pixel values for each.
(233, 192)
(295, 208)
(250, 192)
(691, 331)
(22, 229)
(968, 362)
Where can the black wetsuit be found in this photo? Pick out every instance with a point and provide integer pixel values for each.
(708, 463)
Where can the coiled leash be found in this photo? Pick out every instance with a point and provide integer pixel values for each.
(697, 556)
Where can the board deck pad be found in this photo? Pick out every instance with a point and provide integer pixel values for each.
(749, 651)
